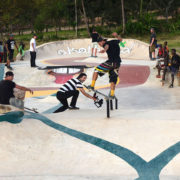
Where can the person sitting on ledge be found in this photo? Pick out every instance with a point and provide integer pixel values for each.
(7, 89)
(167, 48)
(159, 56)
(164, 48)
(163, 63)
(173, 67)
(161, 51)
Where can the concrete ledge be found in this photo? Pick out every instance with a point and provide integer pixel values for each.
(153, 81)
(168, 80)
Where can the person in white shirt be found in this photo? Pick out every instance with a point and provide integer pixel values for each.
(33, 50)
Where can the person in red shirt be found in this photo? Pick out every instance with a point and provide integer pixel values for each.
(161, 51)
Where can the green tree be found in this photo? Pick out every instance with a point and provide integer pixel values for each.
(50, 13)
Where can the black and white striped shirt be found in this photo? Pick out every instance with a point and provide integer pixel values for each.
(71, 85)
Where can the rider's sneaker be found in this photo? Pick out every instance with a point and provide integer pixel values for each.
(171, 86)
(92, 55)
(95, 56)
(111, 97)
(90, 88)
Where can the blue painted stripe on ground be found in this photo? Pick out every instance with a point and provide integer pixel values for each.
(53, 94)
(146, 170)
(39, 97)
(13, 117)
(52, 109)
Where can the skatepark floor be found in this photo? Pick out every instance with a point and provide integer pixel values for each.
(140, 140)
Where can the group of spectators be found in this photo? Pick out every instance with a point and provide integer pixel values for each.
(7, 50)
(9, 89)
(165, 60)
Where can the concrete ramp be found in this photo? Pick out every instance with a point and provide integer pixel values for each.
(141, 140)
(82, 48)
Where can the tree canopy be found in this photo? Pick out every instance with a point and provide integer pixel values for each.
(44, 14)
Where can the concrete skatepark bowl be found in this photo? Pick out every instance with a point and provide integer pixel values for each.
(140, 141)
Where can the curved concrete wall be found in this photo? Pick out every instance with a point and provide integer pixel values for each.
(82, 47)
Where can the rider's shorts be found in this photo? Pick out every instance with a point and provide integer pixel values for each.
(111, 68)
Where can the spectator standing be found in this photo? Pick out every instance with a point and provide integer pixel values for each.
(153, 43)
(33, 50)
(21, 49)
(5, 52)
(10, 49)
(94, 36)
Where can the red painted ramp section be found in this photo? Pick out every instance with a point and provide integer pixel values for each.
(130, 75)
(133, 75)
(63, 79)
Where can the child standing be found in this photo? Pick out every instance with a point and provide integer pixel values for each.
(21, 49)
